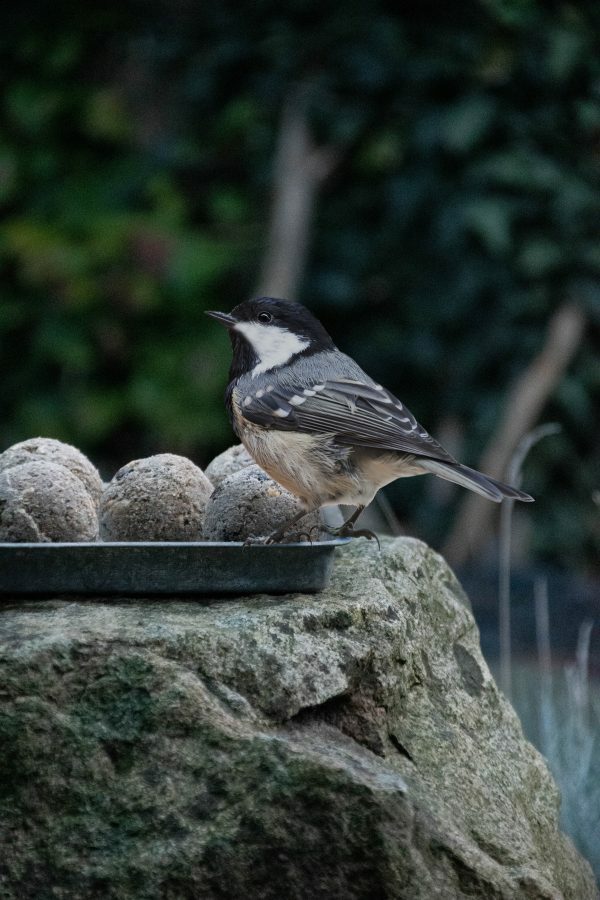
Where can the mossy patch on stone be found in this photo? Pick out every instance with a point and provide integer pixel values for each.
(351, 744)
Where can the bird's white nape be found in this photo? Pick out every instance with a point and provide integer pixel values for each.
(273, 345)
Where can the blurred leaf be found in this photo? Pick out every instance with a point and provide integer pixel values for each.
(196, 262)
(590, 256)
(64, 51)
(12, 314)
(63, 343)
(8, 174)
(96, 413)
(512, 12)
(491, 219)
(521, 168)
(576, 401)
(588, 113)
(44, 254)
(228, 205)
(540, 256)
(566, 48)
(32, 106)
(106, 116)
(383, 151)
(466, 123)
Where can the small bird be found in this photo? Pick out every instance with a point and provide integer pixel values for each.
(318, 424)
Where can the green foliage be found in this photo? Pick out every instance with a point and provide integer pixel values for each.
(135, 167)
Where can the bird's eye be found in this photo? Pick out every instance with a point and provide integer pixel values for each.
(265, 317)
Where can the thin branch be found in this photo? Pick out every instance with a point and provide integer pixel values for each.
(542, 632)
(504, 551)
(527, 399)
(300, 168)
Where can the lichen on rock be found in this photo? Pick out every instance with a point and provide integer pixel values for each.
(351, 744)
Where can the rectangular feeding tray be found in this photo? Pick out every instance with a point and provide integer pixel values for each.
(165, 567)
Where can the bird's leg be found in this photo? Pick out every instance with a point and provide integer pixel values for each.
(349, 523)
(314, 533)
(276, 535)
(348, 529)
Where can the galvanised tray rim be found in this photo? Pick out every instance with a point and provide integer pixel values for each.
(27, 545)
(125, 568)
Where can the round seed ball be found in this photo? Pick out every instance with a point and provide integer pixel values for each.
(228, 462)
(51, 450)
(43, 502)
(160, 498)
(250, 504)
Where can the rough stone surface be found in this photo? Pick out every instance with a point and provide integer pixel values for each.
(51, 450)
(250, 504)
(44, 502)
(344, 745)
(160, 498)
(231, 460)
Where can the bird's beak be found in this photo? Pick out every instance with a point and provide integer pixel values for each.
(223, 318)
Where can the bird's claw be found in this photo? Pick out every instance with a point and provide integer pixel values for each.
(348, 530)
(254, 540)
(363, 532)
(275, 538)
(313, 534)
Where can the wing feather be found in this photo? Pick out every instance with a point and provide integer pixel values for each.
(356, 413)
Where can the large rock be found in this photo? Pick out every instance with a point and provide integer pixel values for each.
(350, 744)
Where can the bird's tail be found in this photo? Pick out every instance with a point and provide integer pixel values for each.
(474, 480)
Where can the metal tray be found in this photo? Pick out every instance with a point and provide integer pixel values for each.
(165, 567)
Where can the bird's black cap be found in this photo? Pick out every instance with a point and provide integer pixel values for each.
(271, 311)
(286, 314)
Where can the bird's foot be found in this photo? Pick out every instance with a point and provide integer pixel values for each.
(255, 540)
(265, 540)
(348, 530)
(314, 533)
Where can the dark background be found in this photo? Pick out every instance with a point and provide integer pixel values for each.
(424, 176)
(449, 157)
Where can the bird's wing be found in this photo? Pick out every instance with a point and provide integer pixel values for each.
(357, 413)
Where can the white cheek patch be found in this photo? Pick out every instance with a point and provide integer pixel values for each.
(273, 345)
